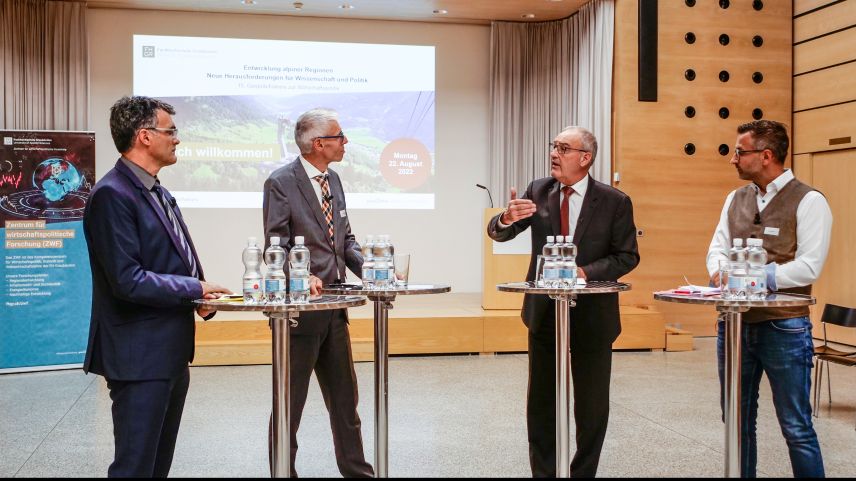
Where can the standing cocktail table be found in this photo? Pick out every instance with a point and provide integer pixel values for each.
(733, 310)
(282, 317)
(383, 299)
(565, 299)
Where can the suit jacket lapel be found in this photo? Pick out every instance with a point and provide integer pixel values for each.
(587, 210)
(553, 198)
(305, 186)
(159, 212)
(183, 226)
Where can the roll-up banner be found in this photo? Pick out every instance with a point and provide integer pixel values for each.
(45, 181)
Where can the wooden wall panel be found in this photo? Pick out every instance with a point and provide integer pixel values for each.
(677, 197)
(825, 87)
(803, 6)
(825, 51)
(817, 130)
(829, 19)
(833, 174)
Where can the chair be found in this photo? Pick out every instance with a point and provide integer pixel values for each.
(839, 316)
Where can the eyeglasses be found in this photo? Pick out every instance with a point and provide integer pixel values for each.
(173, 132)
(563, 149)
(739, 152)
(340, 136)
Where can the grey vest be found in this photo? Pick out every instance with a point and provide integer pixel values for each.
(745, 221)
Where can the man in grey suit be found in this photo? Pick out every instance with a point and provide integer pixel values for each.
(305, 198)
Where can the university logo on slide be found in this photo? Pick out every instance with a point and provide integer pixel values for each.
(148, 51)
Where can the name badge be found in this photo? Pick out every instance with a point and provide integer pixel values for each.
(344, 213)
(771, 231)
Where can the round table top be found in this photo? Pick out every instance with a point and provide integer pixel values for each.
(409, 289)
(772, 300)
(591, 287)
(316, 303)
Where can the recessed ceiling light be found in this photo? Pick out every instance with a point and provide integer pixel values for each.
(346, 6)
(528, 15)
(298, 5)
(441, 12)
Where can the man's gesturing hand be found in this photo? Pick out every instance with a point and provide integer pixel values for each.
(517, 209)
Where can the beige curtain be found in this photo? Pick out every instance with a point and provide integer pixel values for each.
(44, 65)
(546, 76)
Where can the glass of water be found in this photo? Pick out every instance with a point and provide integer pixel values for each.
(724, 270)
(401, 269)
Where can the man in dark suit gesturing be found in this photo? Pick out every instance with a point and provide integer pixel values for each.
(145, 276)
(599, 219)
(305, 198)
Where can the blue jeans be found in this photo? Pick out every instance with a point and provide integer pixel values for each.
(783, 350)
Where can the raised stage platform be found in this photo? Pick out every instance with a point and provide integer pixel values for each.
(433, 324)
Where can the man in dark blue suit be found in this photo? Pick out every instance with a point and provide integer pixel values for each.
(145, 276)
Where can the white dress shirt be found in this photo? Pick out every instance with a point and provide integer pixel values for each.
(575, 203)
(814, 230)
(311, 172)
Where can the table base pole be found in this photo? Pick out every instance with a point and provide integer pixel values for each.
(381, 355)
(563, 387)
(281, 413)
(733, 321)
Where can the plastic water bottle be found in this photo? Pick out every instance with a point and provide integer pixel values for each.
(253, 287)
(568, 263)
(550, 270)
(737, 275)
(298, 272)
(274, 275)
(756, 257)
(368, 263)
(390, 260)
(382, 264)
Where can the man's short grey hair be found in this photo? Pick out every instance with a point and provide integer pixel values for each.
(310, 125)
(587, 139)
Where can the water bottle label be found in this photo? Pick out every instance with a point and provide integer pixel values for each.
(566, 274)
(551, 273)
(253, 285)
(298, 285)
(735, 282)
(381, 274)
(274, 285)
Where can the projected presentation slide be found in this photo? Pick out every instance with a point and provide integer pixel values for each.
(237, 101)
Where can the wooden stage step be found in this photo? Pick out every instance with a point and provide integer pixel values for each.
(430, 324)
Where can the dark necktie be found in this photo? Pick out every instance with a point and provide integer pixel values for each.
(176, 228)
(326, 203)
(566, 190)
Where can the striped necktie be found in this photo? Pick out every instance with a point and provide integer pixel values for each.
(326, 203)
(176, 228)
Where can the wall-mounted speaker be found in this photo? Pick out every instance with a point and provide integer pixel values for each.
(689, 38)
(724, 113)
(723, 149)
(724, 4)
(757, 113)
(724, 76)
(689, 149)
(757, 4)
(689, 74)
(757, 77)
(689, 111)
(690, 3)
(647, 63)
(757, 40)
(724, 39)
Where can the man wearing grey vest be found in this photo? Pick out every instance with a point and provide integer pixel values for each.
(795, 223)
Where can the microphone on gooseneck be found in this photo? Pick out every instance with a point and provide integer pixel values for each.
(488, 194)
(172, 202)
(757, 218)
